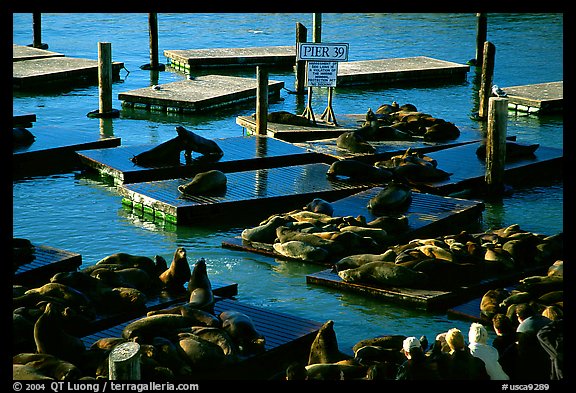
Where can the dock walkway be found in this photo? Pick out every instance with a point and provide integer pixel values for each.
(273, 56)
(23, 120)
(45, 262)
(252, 193)
(243, 152)
(202, 93)
(542, 98)
(21, 53)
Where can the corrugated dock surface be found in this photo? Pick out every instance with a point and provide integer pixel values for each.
(21, 53)
(274, 56)
(202, 93)
(468, 171)
(249, 194)
(240, 153)
(288, 338)
(536, 98)
(430, 300)
(47, 261)
(428, 215)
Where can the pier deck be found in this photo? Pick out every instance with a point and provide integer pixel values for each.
(274, 56)
(249, 194)
(428, 215)
(47, 262)
(240, 153)
(398, 70)
(30, 74)
(202, 93)
(287, 339)
(468, 171)
(21, 53)
(537, 98)
(23, 120)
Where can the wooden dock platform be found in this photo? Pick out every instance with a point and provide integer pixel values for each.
(48, 154)
(428, 215)
(202, 93)
(23, 120)
(468, 170)
(21, 53)
(47, 262)
(287, 338)
(429, 300)
(542, 98)
(240, 153)
(251, 194)
(30, 74)
(399, 70)
(272, 56)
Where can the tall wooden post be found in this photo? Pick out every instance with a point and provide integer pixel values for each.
(481, 31)
(496, 144)
(301, 36)
(486, 81)
(124, 362)
(105, 76)
(317, 27)
(37, 29)
(261, 101)
(153, 27)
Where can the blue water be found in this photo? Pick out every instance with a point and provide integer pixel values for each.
(83, 214)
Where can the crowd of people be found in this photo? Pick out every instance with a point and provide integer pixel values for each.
(531, 350)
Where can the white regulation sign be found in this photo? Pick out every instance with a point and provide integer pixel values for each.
(321, 73)
(320, 51)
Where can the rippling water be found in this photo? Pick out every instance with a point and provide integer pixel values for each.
(83, 213)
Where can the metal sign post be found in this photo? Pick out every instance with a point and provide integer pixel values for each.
(321, 71)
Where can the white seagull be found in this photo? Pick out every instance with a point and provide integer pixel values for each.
(498, 92)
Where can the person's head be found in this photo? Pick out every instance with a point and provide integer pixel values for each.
(455, 340)
(502, 324)
(410, 346)
(440, 343)
(477, 333)
(523, 311)
(553, 313)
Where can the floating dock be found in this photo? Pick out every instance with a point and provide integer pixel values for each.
(23, 120)
(468, 171)
(287, 339)
(48, 154)
(273, 56)
(22, 53)
(31, 74)
(202, 93)
(542, 98)
(399, 70)
(240, 153)
(251, 194)
(46, 262)
(428, 215)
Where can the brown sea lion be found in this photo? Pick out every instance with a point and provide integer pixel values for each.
(301, 250)
(354, 143)
(384, 273)
(201, 354)
(442, 131)
(491, 300)
(49, 365)
(123, 299)
(126, 260)
(212, 182)
(357, 170)
(391, 341)
(178, 274)
(319, 205)
(243, 331)
(200, 317)
(354, 261)
(390, 198)
(52, 338)
(219, 337)
(514, 150)
(65, 293)
(265, 233)
(156, 325)
(284, 117)
(198, 144)
(200, 288)
(22, 137)
(169, 354)
(324, 348)
(23, 372)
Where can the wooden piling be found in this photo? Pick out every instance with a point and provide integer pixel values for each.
(261, 100)
(104, 83)
(496, 144)
(481, 31)
(301, 36)
(37, 31)
(153, 32)
(317, 27)
(486, 79)
(124, 362)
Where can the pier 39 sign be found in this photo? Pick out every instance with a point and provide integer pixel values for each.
(322, 62)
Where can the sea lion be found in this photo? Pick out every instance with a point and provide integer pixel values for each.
(420, 173)
(390, 341)
(83, 282)
(392, 197)
(379, 235)
(178, 273)
(388, 108)
(284, 117)
(211, 182)
(384, 273)
(198, 144)
(22, 137)
(156, 325)
(52, 338)
(442, 131)
(127, 260)
(200, 317)
(393, 224)
(516, 297)
(490, 302)
(122, 299)
(201, 354)
(23, 372)
(357, 260)
(130, 277)
(65, 293)
(358, 171)
(219, 337)
(370, 354)
(354, 142)
(514, 150)
(49, 365)
(300, 250)
(319, 205)
(324, 348)
(166, 153)
(243, 331)
(200, 288)
(265, 233)
(170, 355)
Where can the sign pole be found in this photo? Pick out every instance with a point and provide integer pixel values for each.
(329, 111)
(308, 112)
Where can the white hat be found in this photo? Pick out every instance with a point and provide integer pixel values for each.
(409, 343)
